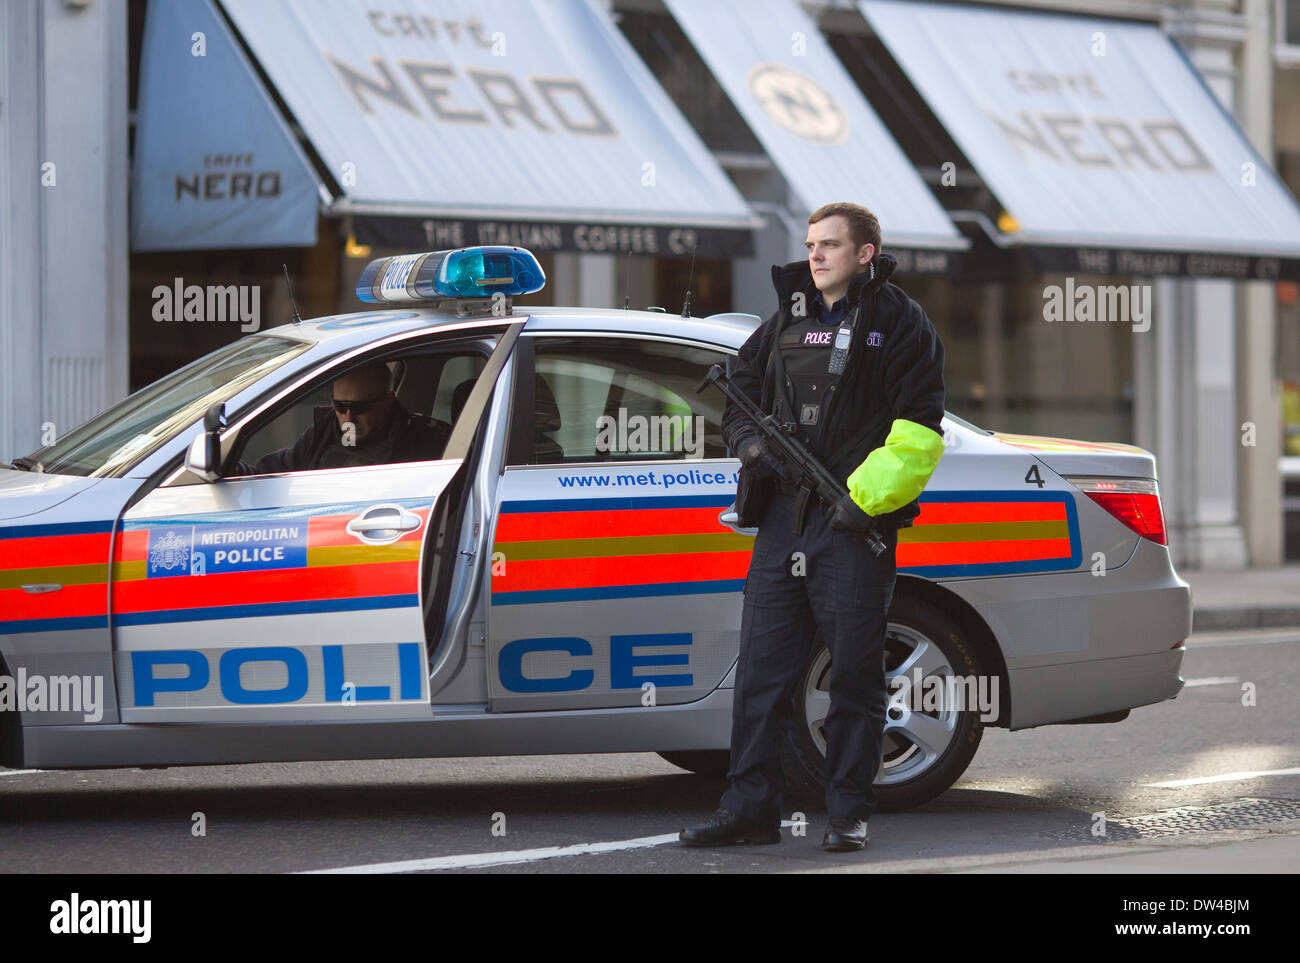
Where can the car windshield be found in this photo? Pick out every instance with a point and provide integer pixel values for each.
(110, 443)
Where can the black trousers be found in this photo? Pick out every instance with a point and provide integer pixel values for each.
(841, 588)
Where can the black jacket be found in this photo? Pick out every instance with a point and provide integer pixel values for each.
(901, 377)
(407, 437)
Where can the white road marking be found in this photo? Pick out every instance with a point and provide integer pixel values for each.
(1212, 680)
(1226, 777)
(21, 772)
(476, 860)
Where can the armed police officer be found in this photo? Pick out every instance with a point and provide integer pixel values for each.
(854, 369)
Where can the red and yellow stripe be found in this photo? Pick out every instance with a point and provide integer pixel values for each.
(338, 567)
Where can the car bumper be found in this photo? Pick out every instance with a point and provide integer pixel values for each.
(1078, 645)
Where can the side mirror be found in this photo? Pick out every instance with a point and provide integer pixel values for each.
(214, 419)
(204, 458)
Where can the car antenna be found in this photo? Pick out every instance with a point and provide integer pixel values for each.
(627, 282)
(296, 318)
(686, 307)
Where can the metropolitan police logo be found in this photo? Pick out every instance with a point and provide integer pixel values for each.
(873, 339)
(169, 552)
(798, 104)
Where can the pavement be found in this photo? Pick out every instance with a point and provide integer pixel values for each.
(1267, 849)
(1251, 598)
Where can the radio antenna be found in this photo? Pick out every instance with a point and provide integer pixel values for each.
(627, 282)
(292, 304)
(686, 307)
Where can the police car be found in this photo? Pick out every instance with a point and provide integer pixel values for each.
(560, 573)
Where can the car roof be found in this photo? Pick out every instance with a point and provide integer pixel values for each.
(362, 327)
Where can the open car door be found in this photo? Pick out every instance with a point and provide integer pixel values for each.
(291, 596)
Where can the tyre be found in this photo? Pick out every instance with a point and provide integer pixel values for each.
(11, 732)
(928, 743)
(705, 762)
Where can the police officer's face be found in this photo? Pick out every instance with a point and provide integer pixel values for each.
(832, 258)
(361, 402)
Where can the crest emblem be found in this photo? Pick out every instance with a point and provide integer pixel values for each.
(168, 553)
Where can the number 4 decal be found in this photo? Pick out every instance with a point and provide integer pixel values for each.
(1033, 478)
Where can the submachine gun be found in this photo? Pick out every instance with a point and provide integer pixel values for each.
(809, 474)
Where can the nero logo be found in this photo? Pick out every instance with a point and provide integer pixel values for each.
(624, 661)
(817, 337)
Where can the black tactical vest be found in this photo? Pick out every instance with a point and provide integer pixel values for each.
(806, 350)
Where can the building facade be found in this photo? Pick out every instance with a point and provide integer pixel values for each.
(1201, 385)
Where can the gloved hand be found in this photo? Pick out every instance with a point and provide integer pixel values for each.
(846, 516)
(758, 458)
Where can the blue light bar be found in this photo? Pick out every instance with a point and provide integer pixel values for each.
(470, 272)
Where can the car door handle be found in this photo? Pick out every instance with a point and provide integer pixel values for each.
(384, 523)
(38, 588)
(732, 521)
(408, 523)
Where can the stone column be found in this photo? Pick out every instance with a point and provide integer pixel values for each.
(63, 221)
(1193, 428)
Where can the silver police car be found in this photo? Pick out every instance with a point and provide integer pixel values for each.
(450, 527)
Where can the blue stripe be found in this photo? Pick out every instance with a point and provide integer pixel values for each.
(616, 503)
(267, 609)
(618, 592)
(64, 528)
(993, 568)
(16, 626)
(1003, 495)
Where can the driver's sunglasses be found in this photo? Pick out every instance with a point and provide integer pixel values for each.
(355, 407)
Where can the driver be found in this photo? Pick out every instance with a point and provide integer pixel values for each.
(368, 426)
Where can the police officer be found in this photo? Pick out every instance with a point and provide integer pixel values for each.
(367, 425)
(854, 369)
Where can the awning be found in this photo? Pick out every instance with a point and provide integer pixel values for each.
(1098, 137)
(811, 118)
(487, 112)
(214, 166)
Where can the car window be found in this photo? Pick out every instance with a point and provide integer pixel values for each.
(112, 442)
(623, 399)
(404, 410)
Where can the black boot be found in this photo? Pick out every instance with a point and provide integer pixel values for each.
(845, 836)
(725, 827)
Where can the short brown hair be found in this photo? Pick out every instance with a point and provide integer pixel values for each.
(863, 226)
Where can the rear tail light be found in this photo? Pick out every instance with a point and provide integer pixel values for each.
(1134, 501)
